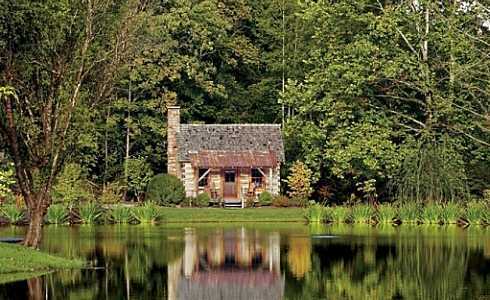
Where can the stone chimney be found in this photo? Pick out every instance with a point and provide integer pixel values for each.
(173, 129)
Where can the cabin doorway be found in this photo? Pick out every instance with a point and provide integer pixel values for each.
(230, 190)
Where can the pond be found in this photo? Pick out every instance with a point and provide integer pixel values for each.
(268, 261)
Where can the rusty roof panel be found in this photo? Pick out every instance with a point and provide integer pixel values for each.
(233, 159)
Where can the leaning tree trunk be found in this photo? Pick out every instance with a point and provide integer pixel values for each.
(36, 215)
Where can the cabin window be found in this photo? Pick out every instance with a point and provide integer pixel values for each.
(257, 177)
(230, 176)
(204, 181)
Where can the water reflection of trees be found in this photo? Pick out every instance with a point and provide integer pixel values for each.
(410, 265)
(363, 263)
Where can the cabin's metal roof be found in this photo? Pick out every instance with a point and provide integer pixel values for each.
(232, 138)
(234, 159)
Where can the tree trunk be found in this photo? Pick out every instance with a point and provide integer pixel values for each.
(34, 232)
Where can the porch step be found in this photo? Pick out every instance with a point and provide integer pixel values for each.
(233, 204)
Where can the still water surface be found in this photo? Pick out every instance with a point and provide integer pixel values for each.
(269, 261)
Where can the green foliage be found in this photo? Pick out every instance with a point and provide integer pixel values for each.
(299, 182)
(120, 214)
(7, 179)
(12, 214)
(362, 213)
(375, 104)
(139, 174)
(165, 189)
(90, 212)
(112, 193)
(57, 214)
(202, 200)
(265, 198)
(148, 213)
(386, 213)
(71, 185)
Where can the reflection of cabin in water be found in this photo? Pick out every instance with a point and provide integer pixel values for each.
(228, 161)
(233, 264)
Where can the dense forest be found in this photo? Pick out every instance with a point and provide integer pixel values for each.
(380, 99)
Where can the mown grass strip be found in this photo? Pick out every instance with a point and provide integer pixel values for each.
(263, 214)
(18, 262)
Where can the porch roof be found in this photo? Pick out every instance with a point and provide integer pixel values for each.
(233, 159)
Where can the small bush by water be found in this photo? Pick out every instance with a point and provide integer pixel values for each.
(90, 213)
(57, 214)
(12, 213)
(149, 213)
(165, 189)
(120, 214)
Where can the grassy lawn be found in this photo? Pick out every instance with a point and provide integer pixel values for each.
(18, 262)
(269, 214)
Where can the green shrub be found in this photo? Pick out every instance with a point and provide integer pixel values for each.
(139, 174)
(89, 213)
(316, 213)
(7, 180)
(299, 183)
(112, 193)
(280, 201)
(165, 189)
(202, 200)
(57, 214)
(120, 214)
(265, 198)
(386, 213)
(71, 185)
(250, 201)
(12, 214)
(149, 213)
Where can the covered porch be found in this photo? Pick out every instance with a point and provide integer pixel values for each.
(232, 176)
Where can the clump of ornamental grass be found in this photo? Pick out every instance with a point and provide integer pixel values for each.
(12, 213)
(57, 214)
(340, 214)
(430, 214)
(386, 213)
(120, 214)
(149, 213)
(90, 213)
(315, 213)
(450, 213)
(476, 212)
(409, 212)
(362, 213)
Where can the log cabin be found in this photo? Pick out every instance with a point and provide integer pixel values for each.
(230, 162)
